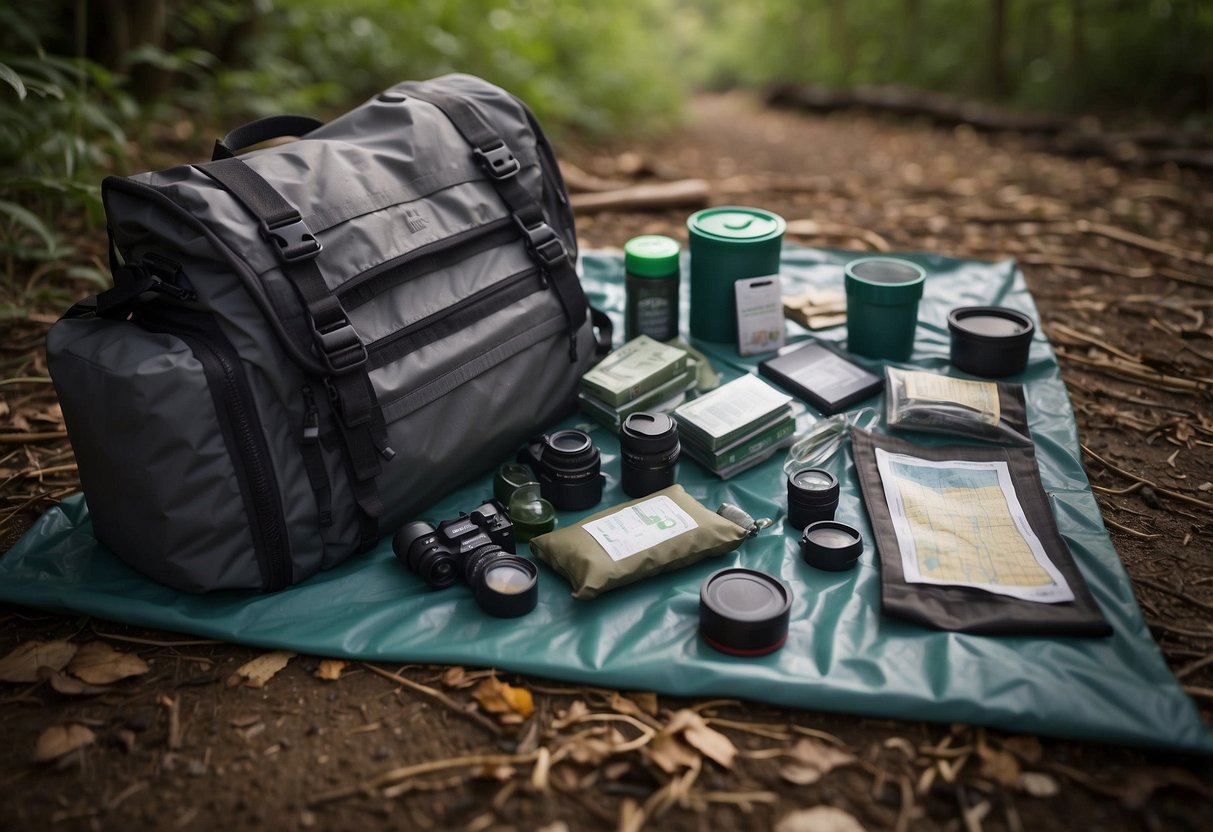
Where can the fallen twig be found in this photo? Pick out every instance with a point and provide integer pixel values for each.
(1120, 527)
(814, 228)
(1120, 235)
(1182, 596)
(397, 775)
(1168, 492)
(438, 696)
(687, 193)
(1070, 332)
(45, 436)
(1175, 384)
(1189, 669)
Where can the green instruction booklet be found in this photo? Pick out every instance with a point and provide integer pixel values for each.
(717, 419)
(633, 370)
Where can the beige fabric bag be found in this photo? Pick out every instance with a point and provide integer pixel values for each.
(663, 531)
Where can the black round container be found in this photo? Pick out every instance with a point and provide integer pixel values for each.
(649, 449)
(744, 612)
(830, 545)
(990, 341)
(812, 496)
(568, 467)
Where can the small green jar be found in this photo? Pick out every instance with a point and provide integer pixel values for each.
(652, 279)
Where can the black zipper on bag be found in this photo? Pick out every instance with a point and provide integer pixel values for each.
(435, 256)
(246, 443)
(460, 315)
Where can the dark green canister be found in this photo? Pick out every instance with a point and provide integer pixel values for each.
(727, 244)
(651, 263)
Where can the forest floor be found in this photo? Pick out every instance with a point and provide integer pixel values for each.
(1119, 262)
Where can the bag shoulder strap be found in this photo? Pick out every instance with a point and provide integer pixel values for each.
(543, 243)
(336, 341)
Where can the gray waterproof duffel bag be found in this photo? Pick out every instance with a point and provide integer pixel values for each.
(307, 344)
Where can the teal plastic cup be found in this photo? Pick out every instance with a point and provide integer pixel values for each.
(882, 306)
(727, 244)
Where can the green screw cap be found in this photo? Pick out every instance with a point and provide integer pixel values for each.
(651, 255)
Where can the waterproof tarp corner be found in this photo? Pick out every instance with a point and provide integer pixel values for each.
(841, 654)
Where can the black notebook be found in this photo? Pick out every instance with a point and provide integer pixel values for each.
(822, 377)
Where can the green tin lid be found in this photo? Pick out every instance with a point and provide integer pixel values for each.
(734, 224)
(651, 256)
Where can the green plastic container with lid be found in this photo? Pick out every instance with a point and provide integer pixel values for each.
(651, 279)
(727, 244)
(882, 306)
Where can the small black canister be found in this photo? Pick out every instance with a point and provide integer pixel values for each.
(812, 496)
(651, 263)
(649, 448)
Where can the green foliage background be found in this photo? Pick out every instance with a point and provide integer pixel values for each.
(95, 86)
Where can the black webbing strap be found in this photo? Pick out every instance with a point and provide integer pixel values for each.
(263, 129)
(337, 343)
(498, 161)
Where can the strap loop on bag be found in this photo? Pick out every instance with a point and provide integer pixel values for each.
(262, 130)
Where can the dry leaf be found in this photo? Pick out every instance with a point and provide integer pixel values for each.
(329, 670)
(100, 664)
(566, 718)
(592, 747)
(621, 704)
(128, 739)
(647, 700)
(68, 686)
(670, 754)
(812, 760)
(58, 740)
(21, 665)
(260, 670)
(453, 677)
(818, 819)
(999, 766)
(1039, 784)
(1026, 748)
(496, 697)
(709, 742)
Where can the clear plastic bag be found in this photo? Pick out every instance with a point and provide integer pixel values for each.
(820, 439)
(937, 403)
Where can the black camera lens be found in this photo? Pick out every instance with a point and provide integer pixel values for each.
(504, 585)
(649, 450)
(568, 467)
(417, 546)
(830, 545)
(812, 496)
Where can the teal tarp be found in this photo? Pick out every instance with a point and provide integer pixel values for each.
(841, 655)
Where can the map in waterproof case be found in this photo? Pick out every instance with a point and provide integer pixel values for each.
(822, 377)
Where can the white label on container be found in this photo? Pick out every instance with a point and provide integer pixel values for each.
(640, 527)
(759, 314)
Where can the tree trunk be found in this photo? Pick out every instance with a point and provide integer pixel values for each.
(998, 38)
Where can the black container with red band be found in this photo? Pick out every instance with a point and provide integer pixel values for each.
(744, 612)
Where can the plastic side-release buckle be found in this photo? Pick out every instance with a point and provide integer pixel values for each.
(340, 347)
(544, 243)
(294, 241)
(498, 161)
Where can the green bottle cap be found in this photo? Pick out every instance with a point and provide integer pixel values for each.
(651, 256)
(736, 224)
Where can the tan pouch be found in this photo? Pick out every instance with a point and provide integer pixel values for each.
(663, 531)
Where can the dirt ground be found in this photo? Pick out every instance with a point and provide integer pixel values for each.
(1119, 260)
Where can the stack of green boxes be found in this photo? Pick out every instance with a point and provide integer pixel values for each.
(643, 374)
(736, 426)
